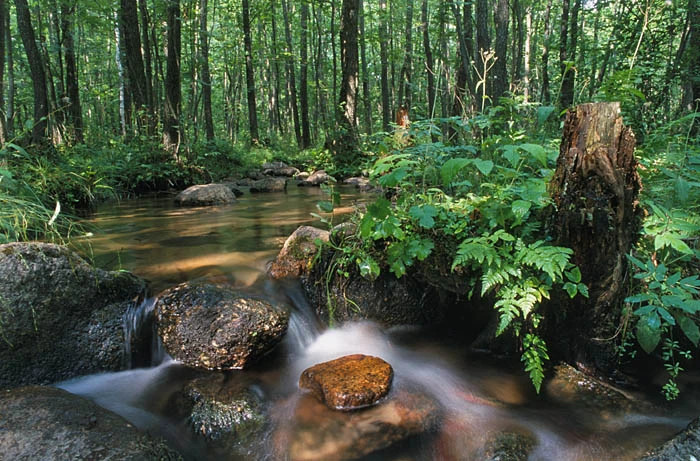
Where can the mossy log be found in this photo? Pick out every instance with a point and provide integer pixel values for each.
(597, 214)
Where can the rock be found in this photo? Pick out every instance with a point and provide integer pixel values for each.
(245, 182)
(225, 412)
(297, 252)
(279, 169)
(350, 382)
(48, 423)
(570, 386)
(317, 178)
(303, 176)
(684, 446)
(206, 194)
(233, 186)
(361, 183)
(342, 231)
(318, 433)
(385, 300)
(256, 175)
(509, 446)
(214, 327)
(60, 317)
(269, 184)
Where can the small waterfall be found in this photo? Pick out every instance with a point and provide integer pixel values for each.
(142, 344)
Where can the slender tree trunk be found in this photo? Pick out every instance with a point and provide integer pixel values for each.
(36, 68)
(405, 84)
(124, 118)
(444, 69)
(334, 52)
(72, 88)
(483, 41)
(526, 55)
(365, 73)
(206, 75)
(173, 91)
(276, 91)
(148, 63)
(567, 52)
(384, 58)
(465, 40)
(249, 76)
(303, 76)
(291, 79)
(3, 24)
(500, 74)
(691, 97)
(10, 114)
(429, 61)
(546, 97)
(134, 69)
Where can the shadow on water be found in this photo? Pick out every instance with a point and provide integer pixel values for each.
(479, 396)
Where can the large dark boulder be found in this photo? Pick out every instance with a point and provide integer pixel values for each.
(45, 423)
(269, 184)
(60, 317)
(318, 433)
(215, 327)
(206, 194)
(349, 382)
(684, 446)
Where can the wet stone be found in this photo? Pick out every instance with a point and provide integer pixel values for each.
(317, 178)
(206, 194)
(350, 382)
(269, 184)
(215, 327)
(298, 250)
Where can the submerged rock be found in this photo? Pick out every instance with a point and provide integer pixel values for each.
(60, 317)
(318, 433)
(297, 252)
(269, 185)
(224, 411)
(317, 178)
(206, 194)
(684, 446)
(350, 382)
(509, 446)
(215, 327)
(48, 423)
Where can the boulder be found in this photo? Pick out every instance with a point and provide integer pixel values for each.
(302, 176)
(318, 433)
(361, 183)
(233, 186)
(350, 382)
(317, 178)
(509, 446)
(297, 252)
(279, 169)
(684, 446)
(387, 300)
(215, 327)
(60, 317)
(48, 423)
(225, 412)
(206, 194)
(269, 184)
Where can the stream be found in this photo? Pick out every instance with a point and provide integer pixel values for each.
(479, 395)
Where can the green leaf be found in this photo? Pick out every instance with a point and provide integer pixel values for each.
(638, 298)
(666, 316)
(690, 329)
(325, 207)
(537, 151)
(673, 240)
(424, 215)
(368, 268)
(451, 167)
(647, 337)
(583, 289)
(645, 310)
(543, 113)
(571, 288)
(574, 275)
(420, 249)
(520, 209)
(485, 166)
(394, 178)
(637, 262)
(511, 154)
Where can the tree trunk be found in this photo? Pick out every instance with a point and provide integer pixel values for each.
(10, 114)
(692, 64)
(499, 84)
(406, 69)
(291, 79)
(133, 63)
(595, 191)
(249, 76)
(365, 73)
(429, 61)
(124, 118)
(303, 77)
(526, 56)
(465, 40)
(36, 68)
(3, 121)
(384, 58)
(276, 92)
(173, 91)
(206, 75)
(75, 116)
(148, 62)
(545, 96)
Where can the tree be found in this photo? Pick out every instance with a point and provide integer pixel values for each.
(173, 91)
(133, 62)
(499, 84)
(75, 116)
(406, 69)
(303, 77)
(384, 57)
(429, 61)
(249, 75)
(291, 79)
(206, 75)
(3, 121)
(36, 68)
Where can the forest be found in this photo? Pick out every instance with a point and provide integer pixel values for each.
(463, 115)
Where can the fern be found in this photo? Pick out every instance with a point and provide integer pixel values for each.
(534, 355)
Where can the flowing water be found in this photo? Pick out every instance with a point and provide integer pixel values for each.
(478, 394)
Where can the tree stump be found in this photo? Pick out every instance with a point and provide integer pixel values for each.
(597, 214)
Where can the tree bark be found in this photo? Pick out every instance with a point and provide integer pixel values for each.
(173, 89)
(465, 39)
(384, 58)
(406, 69)
(499, 84)
(206, 75)
(133, 63)
(691, 97)
(291, 79)
(567, 54)
(526, 55)
(303, 76)
(365, 73)
(148, 62)
(3, 121)
(545, 96)
(10, 114)
(595, 191)
(74, 110)
(36, 68)
(249, 75)
(429, 61)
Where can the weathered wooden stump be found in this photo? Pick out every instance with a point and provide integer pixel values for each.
(597, 214)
